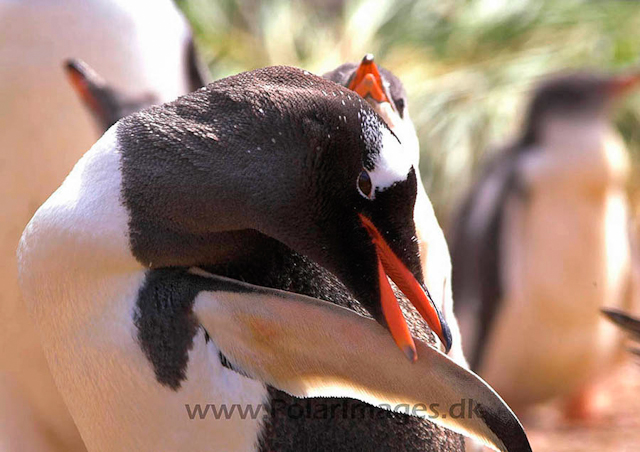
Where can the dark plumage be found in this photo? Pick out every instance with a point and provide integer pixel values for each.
(171, 148)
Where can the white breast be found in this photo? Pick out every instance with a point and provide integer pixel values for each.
(139, 46)
(81, 284)
(565, 255)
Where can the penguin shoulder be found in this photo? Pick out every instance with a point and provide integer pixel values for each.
(84, 220)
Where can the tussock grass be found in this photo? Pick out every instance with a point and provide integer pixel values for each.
(468, 65)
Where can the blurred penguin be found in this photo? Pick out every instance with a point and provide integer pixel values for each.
(143, 46)
(541, 243)
(105, 103)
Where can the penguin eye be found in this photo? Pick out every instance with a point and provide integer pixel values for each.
(365, 187)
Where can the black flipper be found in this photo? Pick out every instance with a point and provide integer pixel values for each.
(476, 250)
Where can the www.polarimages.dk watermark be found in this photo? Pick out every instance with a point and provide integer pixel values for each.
(465, 409)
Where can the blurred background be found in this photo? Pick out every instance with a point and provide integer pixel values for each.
(468, 66)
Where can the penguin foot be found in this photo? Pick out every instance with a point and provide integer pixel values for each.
(590, 404)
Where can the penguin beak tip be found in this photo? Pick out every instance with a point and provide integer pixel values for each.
(367, 81)
(410, 353)
(622, 85)
(389, 265)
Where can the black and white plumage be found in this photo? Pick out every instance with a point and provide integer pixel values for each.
(378, 429)
(541, 243)
(113, 265)
(387, 96)
(142, 47)
(108, 104)
(285, 269)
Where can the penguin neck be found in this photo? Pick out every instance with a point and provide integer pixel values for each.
(586, 153)
(274, 265)
(195, 188)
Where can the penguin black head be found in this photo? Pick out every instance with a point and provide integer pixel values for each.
(386, 95)
(106, 104)
(294, 157)
(375, 84)
(577, 97)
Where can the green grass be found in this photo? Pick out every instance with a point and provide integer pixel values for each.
(468, 66)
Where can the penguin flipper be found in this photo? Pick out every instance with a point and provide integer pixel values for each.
(312, 348)
(474, 241)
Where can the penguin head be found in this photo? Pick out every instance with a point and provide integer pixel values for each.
(375, 84)
(577, 98)
(365, 183)
(294, 157)
(384, 92)
(366, 213)
(106, 104)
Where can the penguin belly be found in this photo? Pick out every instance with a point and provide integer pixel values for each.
(564, 255)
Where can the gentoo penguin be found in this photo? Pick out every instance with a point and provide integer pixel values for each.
(386, 94)
(541, 243)
(284, 269)
(45, 130)
(279, 267)
(116, 268)
(628, 323)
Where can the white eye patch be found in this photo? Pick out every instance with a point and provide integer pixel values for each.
(393, 163)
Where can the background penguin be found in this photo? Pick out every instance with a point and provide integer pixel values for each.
(44, 132)
(541, 243)
(106, 104)
(114, 231)
(386, 94)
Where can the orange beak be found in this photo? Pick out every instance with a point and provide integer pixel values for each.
(367, 81)
(390, 265)
(621, 85)
(80, 76)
